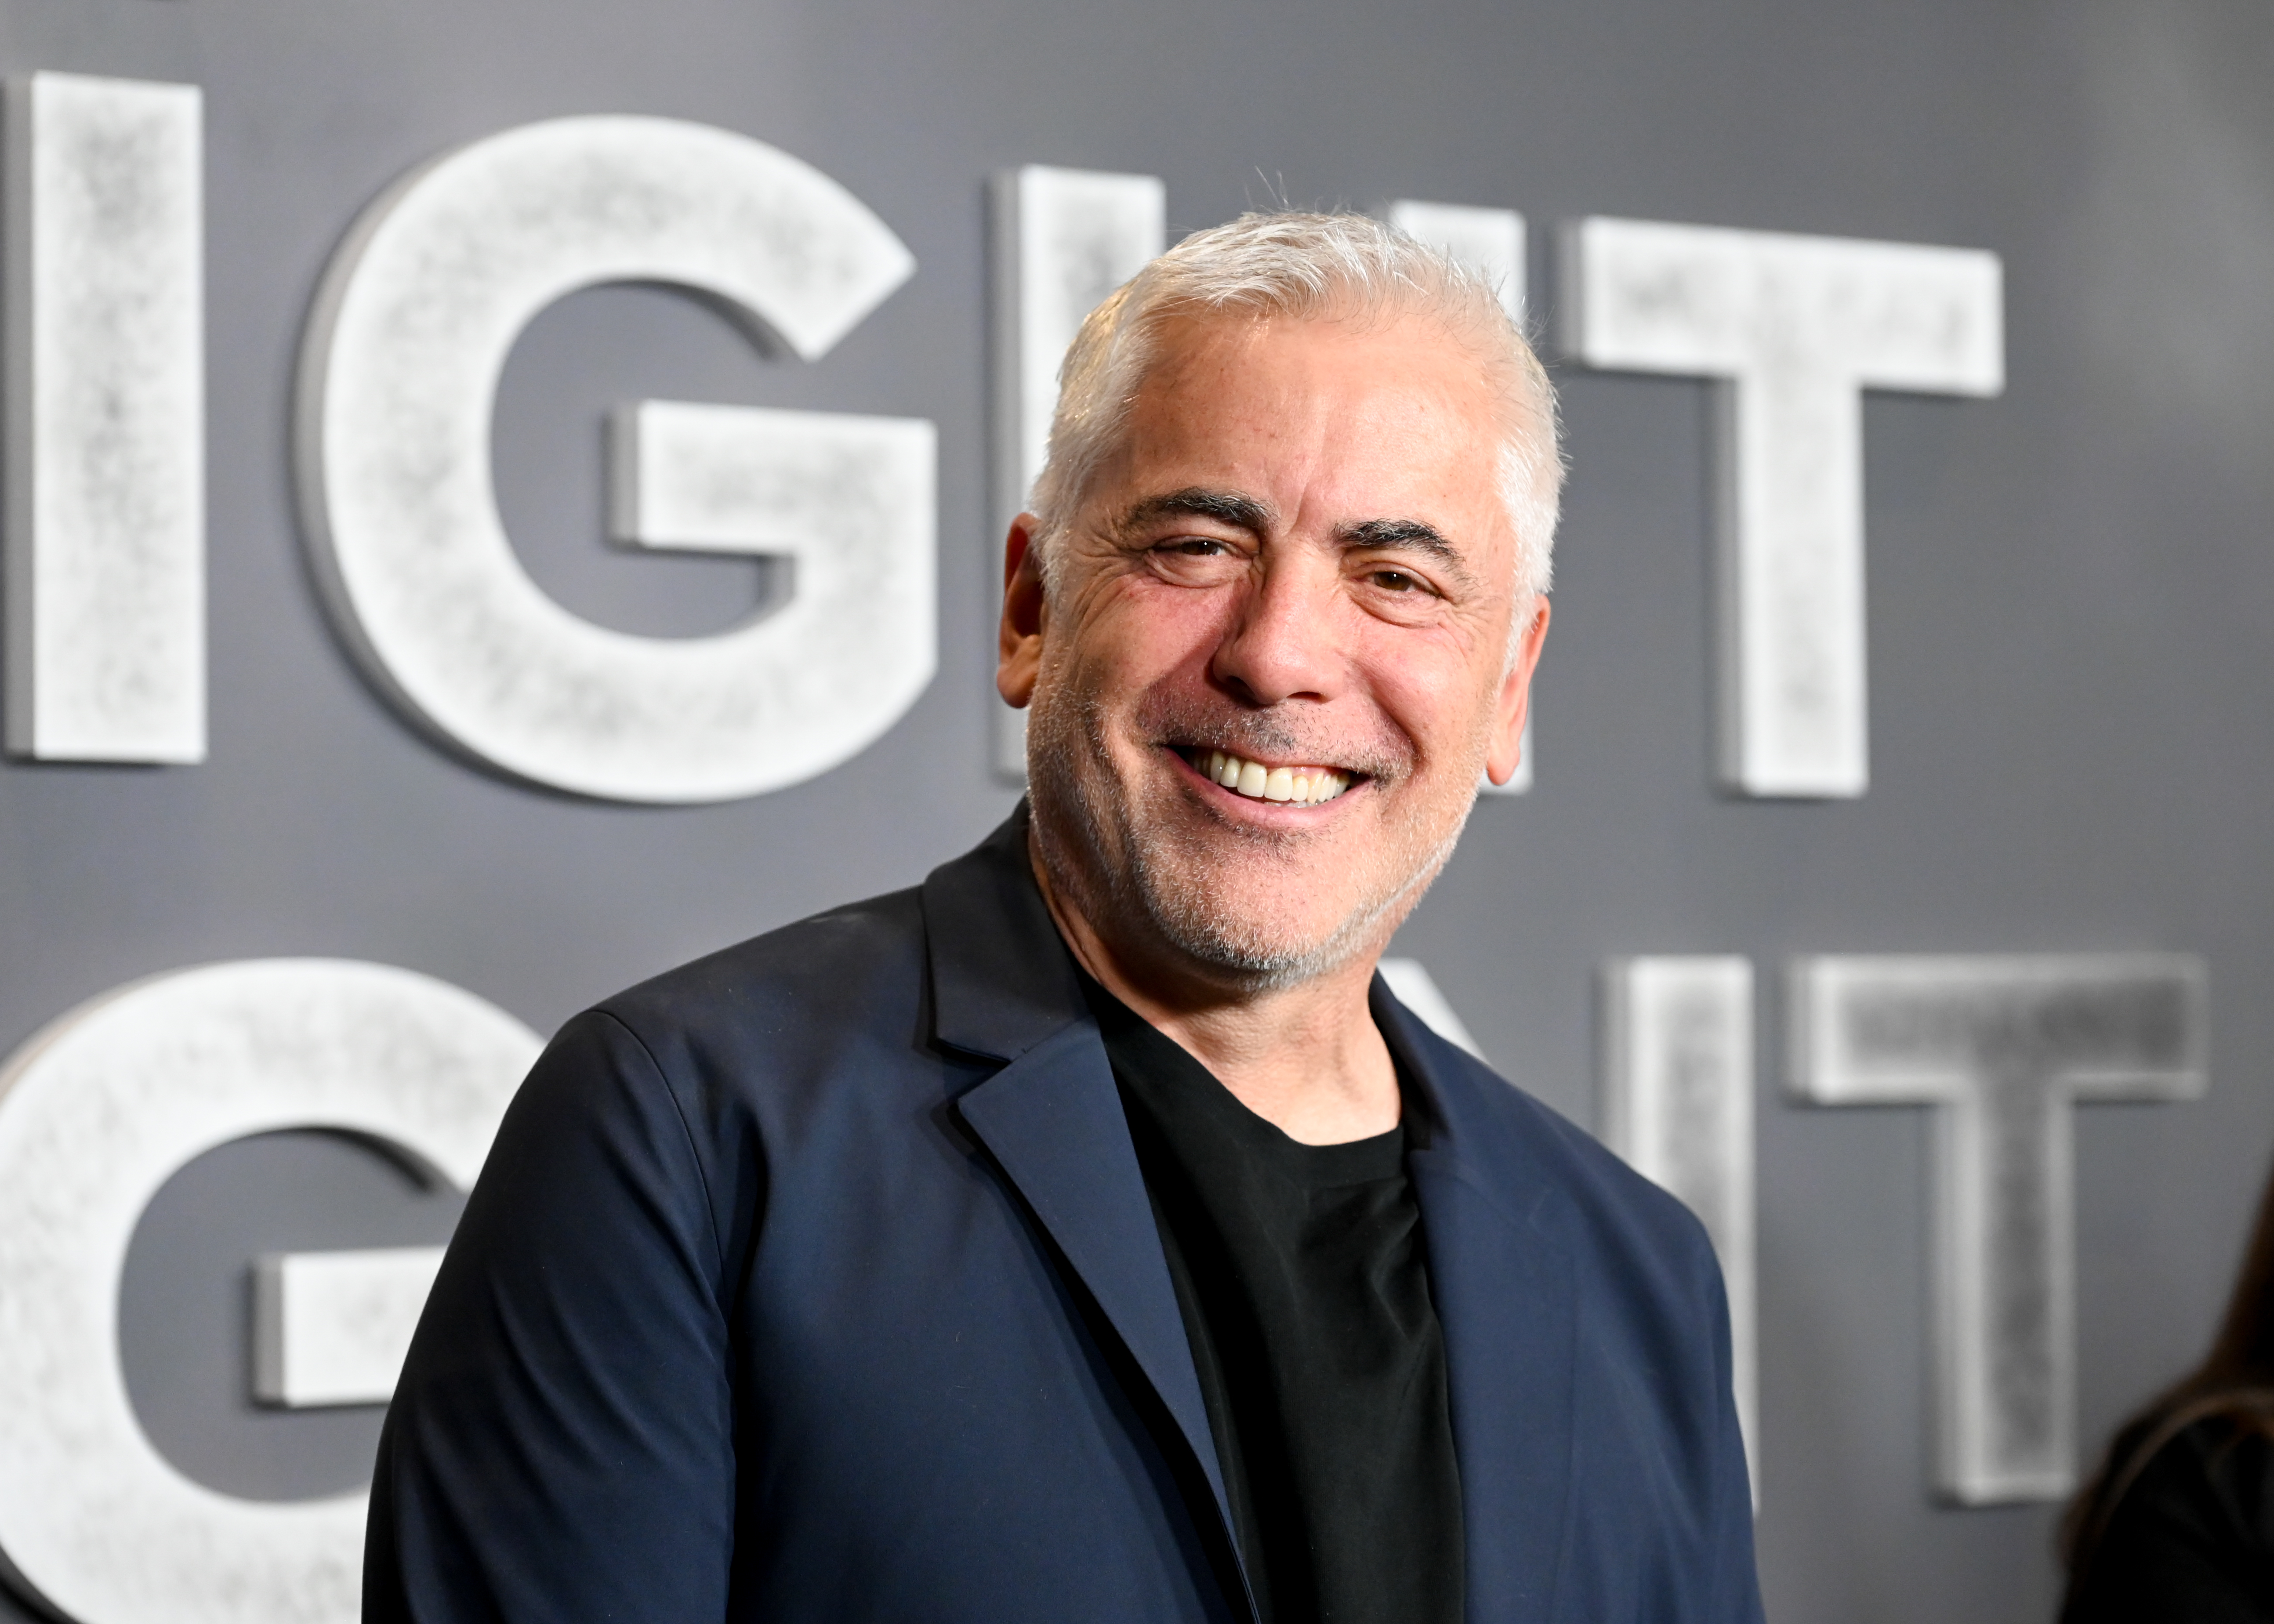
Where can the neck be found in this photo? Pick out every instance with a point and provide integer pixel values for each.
(1307, 1058)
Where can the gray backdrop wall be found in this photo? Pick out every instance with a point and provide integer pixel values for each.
(2069, 592)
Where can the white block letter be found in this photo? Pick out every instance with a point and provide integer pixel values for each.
(332, 1328)
(1063, 239)
(1677, 1053)
(96, 1112)
(104, 464)
(848, 501)
(1796, 327)
(399, 372)
(2001, 1046)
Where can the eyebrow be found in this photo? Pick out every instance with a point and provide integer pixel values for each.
(1408, 535)
(1197, 502)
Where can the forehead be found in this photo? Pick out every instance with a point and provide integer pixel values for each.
(1349, 412)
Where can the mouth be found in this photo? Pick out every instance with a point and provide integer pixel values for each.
(1295, 786)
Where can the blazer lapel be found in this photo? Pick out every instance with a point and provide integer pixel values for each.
(1053, 1120)
(1004, 987)
(1503, 1279)
(1501, 1269)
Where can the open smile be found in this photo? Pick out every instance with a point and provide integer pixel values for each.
(1297, 786)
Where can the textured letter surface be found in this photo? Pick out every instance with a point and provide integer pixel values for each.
(333, 1327)
(1796, 328)
(105, 443)
(400, 370)
(1678, 1105)
(2001, 1048)
(99, 1110)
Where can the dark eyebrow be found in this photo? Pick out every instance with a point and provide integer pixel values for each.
(1243, 513)
(1409, 535)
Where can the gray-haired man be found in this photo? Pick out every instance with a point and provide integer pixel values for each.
(1087, 1234)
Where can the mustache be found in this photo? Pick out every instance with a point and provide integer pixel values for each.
(1206, 722)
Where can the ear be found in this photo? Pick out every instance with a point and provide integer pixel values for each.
(1515, 699)
(1019, 642)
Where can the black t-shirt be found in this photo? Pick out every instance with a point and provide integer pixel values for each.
(1305, 1289)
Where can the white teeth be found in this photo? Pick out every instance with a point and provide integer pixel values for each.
(1296, 785)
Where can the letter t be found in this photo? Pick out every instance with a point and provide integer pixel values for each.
(2001, 1046)
(1796, 328)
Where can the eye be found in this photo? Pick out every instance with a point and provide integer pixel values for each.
(1194, 560)
(1397, 581)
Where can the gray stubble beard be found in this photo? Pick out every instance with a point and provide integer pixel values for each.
(1142, 882)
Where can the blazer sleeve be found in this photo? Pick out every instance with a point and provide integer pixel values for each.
(559, 1447)
(1733, 1591)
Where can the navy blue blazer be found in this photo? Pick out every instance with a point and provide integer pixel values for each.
(817, 1281)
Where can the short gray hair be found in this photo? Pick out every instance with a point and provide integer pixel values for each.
(1303, 266)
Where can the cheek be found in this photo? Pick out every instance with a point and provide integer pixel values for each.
(1139, 630)
(1431, 690)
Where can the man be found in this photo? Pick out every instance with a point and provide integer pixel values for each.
(1088, 1235)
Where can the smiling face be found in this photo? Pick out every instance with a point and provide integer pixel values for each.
(1275, 654)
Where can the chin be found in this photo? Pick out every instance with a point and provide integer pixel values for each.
(1223, 895)
(1216, 926)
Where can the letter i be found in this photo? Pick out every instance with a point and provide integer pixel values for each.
(104, 459)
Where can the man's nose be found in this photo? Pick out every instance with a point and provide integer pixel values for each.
(1284, 644)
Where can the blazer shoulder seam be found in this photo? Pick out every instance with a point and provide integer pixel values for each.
(694, 1154)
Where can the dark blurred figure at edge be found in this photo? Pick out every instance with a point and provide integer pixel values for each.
(2178, 1525)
